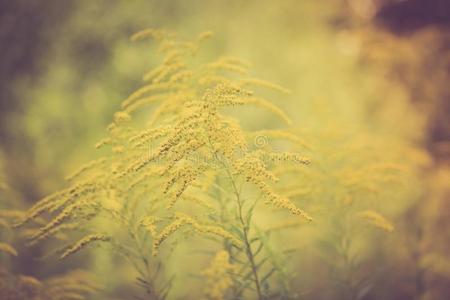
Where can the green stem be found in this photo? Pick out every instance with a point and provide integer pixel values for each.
(148, 274)
(245, 227)
(245, 230)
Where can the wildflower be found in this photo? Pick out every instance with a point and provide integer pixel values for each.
(121, 117)
(219, 276)
(377, 220)
(181, 220)
(84, 242)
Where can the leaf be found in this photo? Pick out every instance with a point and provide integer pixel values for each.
(260, 247)
(250, 213)
(262, 262)
(267, 276)
(238, 231)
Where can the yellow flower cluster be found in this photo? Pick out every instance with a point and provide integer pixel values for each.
(225, 95)
(6, 248)
(121, 117)
(86, 167)
(68, 212)
(168, 230)
(254, 171)
(263, 83)
(57, 200)
(281, 202)
(219, 276)
(156, 34)
(182, 177)
(377, 220)
(288, 157)
(149, 223)
(84, 242)
(183, 219)
(152, 170)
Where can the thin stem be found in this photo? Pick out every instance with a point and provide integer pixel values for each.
(148, 274)
(246, 229)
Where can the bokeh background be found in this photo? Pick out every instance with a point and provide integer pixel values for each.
(369, 85)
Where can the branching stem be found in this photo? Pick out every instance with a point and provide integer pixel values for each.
(147, 273)
(245, 230)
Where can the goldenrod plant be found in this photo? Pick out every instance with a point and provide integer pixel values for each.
(210, 182)
(75, 285)
(349, 197)
(185, 153)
